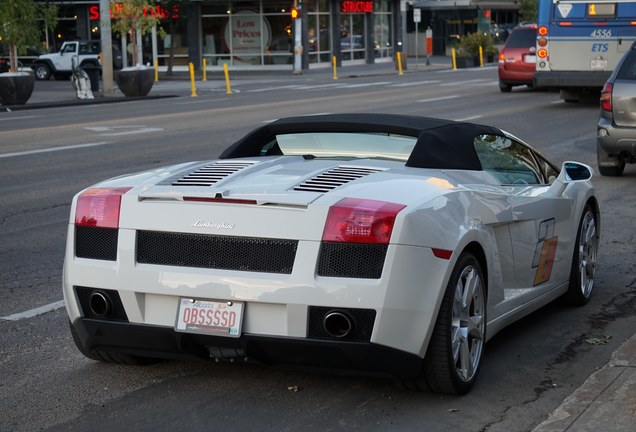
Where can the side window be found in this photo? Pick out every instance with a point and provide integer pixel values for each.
(511, 162)
(69, 48)
(550, 173)
(628, 68)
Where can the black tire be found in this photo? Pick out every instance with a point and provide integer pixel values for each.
(583, 259)
(505, 88)
(42, 71)
(614, 171)
(445, 370)
(109, 356)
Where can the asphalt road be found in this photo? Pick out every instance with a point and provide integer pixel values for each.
(47, 155)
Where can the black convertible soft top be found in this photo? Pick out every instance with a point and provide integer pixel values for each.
(441, 144)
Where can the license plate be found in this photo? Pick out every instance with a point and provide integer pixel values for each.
(530, 58)
(599, 64)
(217, 318)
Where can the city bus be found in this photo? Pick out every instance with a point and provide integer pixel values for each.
(579, 42)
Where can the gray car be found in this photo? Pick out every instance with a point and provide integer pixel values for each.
(616, 138)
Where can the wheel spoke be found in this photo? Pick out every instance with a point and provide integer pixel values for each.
(467, 328)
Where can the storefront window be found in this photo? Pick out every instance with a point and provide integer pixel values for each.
(318, 31)
(352, 31)
(382, 29)
(247, 33)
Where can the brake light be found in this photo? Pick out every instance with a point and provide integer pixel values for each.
(99, 207)
(502, 57)
(565, 24)
(606, 97)
(353, 220)
(543, 31)
(542, 53)
(542, 42)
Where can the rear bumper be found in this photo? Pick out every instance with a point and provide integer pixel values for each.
(570, 79)
(619, 141)
(507, 76)
(356, 358)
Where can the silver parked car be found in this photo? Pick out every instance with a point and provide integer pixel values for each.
(616, 138)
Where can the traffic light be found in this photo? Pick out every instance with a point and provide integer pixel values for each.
(294, 13)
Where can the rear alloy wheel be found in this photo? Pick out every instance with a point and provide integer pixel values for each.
(584, 260)
(454, 353)
(42, 71)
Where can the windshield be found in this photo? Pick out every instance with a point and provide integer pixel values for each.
(343, 145)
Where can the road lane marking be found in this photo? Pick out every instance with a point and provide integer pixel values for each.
(17, 118)
(416, 83)
(71, 147)
(439, 98)
(465, 119)
(125, 130)
(34, 312)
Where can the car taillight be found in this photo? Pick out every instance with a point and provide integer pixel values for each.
(543, 31)
(606, 97)
(353, 220)
(502, 56)
(542, 53)
(99, 207)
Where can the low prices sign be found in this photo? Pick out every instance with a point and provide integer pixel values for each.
(356, 7)
(247, 30)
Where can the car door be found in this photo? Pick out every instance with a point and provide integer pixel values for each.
(63, 62)
(540, 221)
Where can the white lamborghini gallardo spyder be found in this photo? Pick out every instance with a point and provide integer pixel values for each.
(360, 243)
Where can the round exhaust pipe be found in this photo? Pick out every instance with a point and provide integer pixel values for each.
(338, 324)
(100, 304)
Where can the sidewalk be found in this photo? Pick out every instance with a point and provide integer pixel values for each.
(51, 94)
(607, 399)
(605, 402)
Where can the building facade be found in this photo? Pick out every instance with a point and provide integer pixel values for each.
(261, 33)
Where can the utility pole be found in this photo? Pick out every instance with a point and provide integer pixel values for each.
(107, 48)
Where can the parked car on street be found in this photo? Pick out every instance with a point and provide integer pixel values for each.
(80, 53)
(361, 243)
(616, 130)
(517, 59)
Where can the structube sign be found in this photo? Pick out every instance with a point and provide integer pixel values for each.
(357, 7)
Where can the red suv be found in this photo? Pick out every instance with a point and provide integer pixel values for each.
(517, 59)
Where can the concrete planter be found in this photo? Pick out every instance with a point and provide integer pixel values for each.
(16, 88)
(135, 82)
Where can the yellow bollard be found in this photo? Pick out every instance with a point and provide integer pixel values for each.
(156, 70)
(205, 70)
(194, 87)
(228, 89)
(399, 60)
(335, 67)
(481, 57)
(454, 59)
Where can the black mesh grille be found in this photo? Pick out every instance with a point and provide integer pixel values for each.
(217, 252)
(363, 320)
(351, 260)
(116, 312)
(96, 243)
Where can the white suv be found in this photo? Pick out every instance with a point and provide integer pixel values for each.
(85, 53)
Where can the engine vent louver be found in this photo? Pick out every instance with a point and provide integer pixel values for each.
(331, 179)
(209, 174)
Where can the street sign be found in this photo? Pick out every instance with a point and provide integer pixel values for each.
(417, 15)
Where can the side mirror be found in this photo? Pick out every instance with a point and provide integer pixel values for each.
(570, 172)
(575, 171)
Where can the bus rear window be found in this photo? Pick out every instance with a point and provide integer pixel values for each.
(601, 10)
